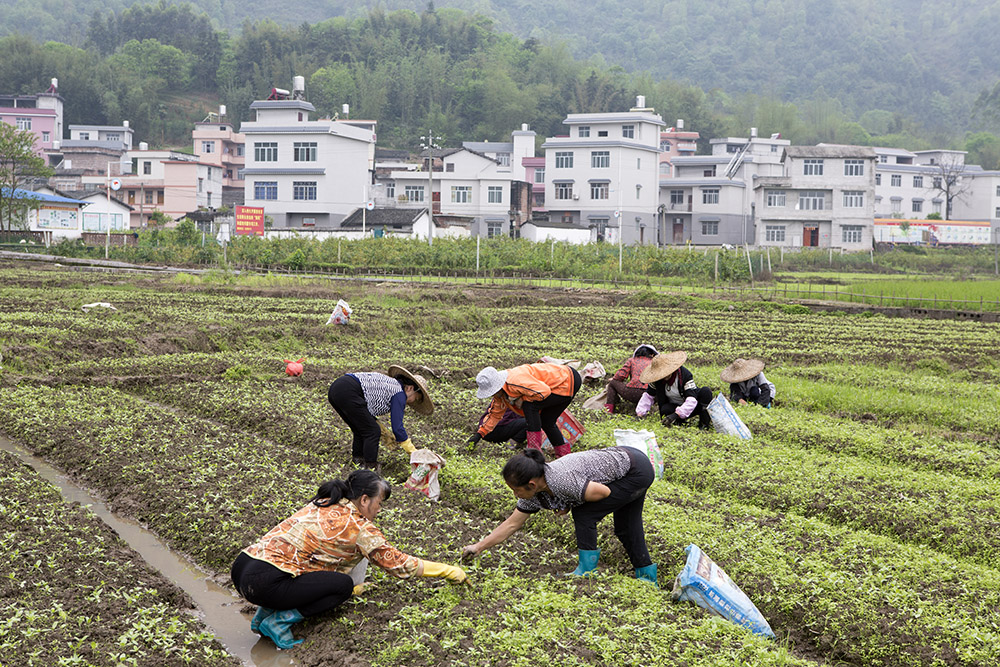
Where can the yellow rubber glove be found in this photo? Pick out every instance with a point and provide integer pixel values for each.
(407, 446)
(359, 589)
(449, 572)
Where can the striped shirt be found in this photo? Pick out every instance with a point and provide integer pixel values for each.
(333, 538)
(568, 477)
(384, 395)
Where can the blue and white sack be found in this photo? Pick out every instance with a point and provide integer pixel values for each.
(708, 586)
(725, 420)
(645, 442)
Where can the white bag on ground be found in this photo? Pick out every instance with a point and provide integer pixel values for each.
(708, 586)
(424, 475)
(593, 371)
(725, 419)
(359, 571)
(341, 313)
(596, 402)
(645, 442)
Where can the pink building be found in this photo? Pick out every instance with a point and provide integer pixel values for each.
(534, 173)
(218, 144)
(41, 114)
(675, 142)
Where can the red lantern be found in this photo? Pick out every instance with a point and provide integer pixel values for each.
(294, 368)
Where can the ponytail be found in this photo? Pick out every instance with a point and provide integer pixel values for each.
(524, 467)
(361, 482)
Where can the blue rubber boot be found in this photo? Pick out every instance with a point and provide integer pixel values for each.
(647, 573)
(262, 613)
(588, 562)
(278, 627)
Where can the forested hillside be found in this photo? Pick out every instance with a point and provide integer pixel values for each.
(163, 66)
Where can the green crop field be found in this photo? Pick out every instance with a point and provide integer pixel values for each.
(862, 519)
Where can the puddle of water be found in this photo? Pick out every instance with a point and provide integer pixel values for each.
(217, 606)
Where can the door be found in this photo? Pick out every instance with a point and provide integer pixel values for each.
(678, 232)
(810, 237)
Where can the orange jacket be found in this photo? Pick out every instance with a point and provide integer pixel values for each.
(530, 382)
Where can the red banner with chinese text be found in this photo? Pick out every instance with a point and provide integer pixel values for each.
(250, 220)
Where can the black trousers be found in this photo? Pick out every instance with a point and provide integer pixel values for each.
(347, 398)
(515, 429)
(704, 397)
(542, 415)
(311, 593)
(626, 500)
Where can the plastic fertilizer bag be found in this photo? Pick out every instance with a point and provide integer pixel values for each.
(708, 586)
(341, 313)
(725, 419)
(645, 442)
(571, 429)
(423, 479)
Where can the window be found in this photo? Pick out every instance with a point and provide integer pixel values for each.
(812, 200)
(937, 206)
(897, 205)
(449, 166)
(600, 159)
(854, 199)
(638, 163)
(461, 194)
(665, 146)
(854, 167)
(878, 179)
(413, 192)
(265, 190)
(628, 131)
(538, 199)
(23, 123)
(896, 180)
(584, 131)
(599, 190)
(600, 227)
(918, 205)
(564, 160)
(812, 167)
(996, 213)
(304, 151)
(147, 167)
(709, 173)
(147, 197)
(564, 190)
(208, 147)
(493, 228)
(201, 185)
(676, 197)
(638, 190)
(494, 194)
(998, 191)
(240, 173)
(884, 159)
(775, 198)
(240, 150)
(539, 174)
(937, 182)
(710, 195)
(309, 222)
(851, 233)
(710, 228)
(85, 136)
(45, 137)
(734, 148)
(114, 136)
(774, 233)
(159, 196)
(265, 151)
(304, 190)
(504, 159)
(602, 133)
(918, 181)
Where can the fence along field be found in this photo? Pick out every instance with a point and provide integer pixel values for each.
(179, 396)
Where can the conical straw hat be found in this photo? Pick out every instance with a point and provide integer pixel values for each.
(423, 404)
(741, 370)
(662, 365)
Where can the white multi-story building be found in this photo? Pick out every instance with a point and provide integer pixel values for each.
(305, 173)
(824, 199)
(603, 176)
(708, 201)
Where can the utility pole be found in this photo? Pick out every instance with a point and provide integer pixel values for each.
(427, 142)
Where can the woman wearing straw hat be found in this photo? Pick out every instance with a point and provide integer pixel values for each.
(672, 386)
(626, 383)
(539, 392)
(747, 383)
(361, 397)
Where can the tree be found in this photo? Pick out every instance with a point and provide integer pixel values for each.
(949, 180)
(19, 164)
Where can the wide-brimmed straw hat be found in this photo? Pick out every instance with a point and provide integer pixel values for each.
(424, 405)
(741, 370)
(489, 381)
(662, 365)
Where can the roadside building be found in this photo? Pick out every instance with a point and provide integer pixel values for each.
(216, 142)
(40, 114)
(58, 216)
(676, 142)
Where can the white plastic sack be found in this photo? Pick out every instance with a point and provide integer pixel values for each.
(341, 314)
(706, 584)
(593, 371)
(99, 304)
(425, 465)
(725, 419)
(596, 402)
(359, 571)
(645, 442)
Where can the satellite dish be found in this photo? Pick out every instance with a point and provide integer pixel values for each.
(370, 205)
(618, 214)
(116, 184)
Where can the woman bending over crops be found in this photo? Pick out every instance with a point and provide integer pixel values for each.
(540, 392)
(302, 566)
(589, 484)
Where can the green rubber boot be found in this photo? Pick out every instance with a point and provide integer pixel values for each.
(588, 562)
(278, 627)
(262, 613)
(647, 573)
